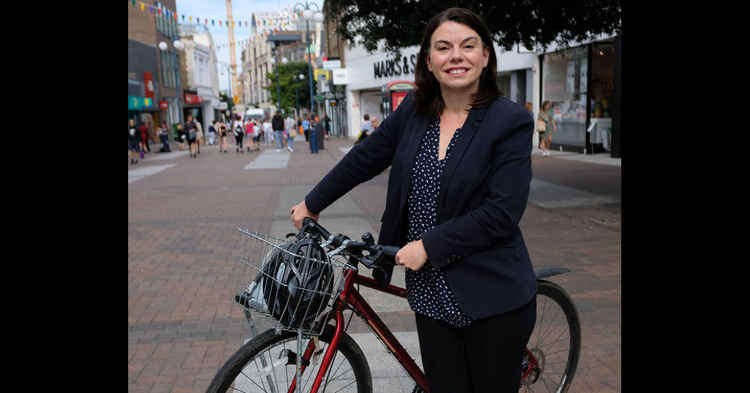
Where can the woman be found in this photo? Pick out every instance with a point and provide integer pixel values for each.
(222, 137)
(249, 135)
(191, 134)
(291, 133)
(460, 159)
(239, 135)
(143, 131)
(550, 126)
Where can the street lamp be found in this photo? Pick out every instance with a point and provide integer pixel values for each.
(296, 94)
(308, 15)
(177, 44)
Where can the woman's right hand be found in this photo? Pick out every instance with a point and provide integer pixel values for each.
(298, 213)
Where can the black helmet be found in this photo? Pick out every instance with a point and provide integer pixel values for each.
(297, 284)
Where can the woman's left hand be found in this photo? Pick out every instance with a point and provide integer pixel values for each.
(413, 255)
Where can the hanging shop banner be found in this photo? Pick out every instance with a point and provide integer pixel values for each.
(163, 105)
(193, 99)
(149, 84)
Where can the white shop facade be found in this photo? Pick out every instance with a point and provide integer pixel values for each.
(367, 76)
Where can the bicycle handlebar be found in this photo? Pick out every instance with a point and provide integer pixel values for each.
(379, 258)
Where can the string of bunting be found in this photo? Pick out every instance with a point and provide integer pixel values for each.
(260, 23)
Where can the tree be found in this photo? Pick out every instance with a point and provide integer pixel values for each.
(292, 88)
(532, 23)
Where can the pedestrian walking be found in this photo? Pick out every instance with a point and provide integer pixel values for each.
(191, 132)
(328, 125)
(315, 130)
(249, 140)
(164, 137)
(460, 172)
(239, 136)
(267, 130)
(143, 133)
(199, 138)
(222, 137)
(291, 132)
(278, 129)
(547, 127)
(134, 140)
(306, 128)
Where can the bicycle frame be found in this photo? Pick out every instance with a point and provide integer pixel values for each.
(351, 298)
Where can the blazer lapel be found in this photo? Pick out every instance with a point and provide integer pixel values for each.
(467, 132)
(413, 138)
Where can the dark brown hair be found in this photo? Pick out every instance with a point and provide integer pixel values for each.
(429, 100)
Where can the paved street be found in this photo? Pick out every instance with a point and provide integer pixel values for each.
(184, 251)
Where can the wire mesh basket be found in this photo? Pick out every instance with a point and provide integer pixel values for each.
(295, 282)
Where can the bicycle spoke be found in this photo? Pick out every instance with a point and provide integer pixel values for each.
(544, 381)
(558, 339)
(549, 328)
(347, 385)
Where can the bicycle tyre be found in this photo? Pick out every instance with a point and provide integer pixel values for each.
(244, 356)
(551, 297)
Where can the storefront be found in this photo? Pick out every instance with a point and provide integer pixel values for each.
(367, 75)
(193, 105)
(143, 110)
(579, 82)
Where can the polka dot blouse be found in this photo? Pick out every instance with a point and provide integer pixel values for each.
(428, 292)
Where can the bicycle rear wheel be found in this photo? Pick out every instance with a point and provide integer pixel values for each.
(555, 344)
(260, 366)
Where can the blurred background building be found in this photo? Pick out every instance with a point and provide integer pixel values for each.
(153, 74)
(201, 81)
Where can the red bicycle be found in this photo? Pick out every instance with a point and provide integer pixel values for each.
(308, 280)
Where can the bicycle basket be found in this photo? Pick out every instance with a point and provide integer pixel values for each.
(294, 282)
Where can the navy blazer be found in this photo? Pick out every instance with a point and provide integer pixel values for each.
(483, 194)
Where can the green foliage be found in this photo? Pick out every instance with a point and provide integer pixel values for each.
(290, 85)
(223, 97)
(532, 23)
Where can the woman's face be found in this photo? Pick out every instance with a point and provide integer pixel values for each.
(457, 56)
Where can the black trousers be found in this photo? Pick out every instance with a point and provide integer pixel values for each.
(484, 357)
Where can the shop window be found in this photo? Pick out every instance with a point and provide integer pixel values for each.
(601, 93)
(565, 76)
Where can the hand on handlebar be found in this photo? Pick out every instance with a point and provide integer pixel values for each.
(413, 255)
(298, 213)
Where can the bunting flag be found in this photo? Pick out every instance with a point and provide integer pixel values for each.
(258, 24)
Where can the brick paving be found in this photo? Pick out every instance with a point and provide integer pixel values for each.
(183, 250)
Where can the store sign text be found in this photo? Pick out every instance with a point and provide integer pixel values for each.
(393, 67)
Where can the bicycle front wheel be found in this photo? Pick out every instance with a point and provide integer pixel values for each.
(551, 356)
(267, 363)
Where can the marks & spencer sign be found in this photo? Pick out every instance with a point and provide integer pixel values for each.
(392, 67)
